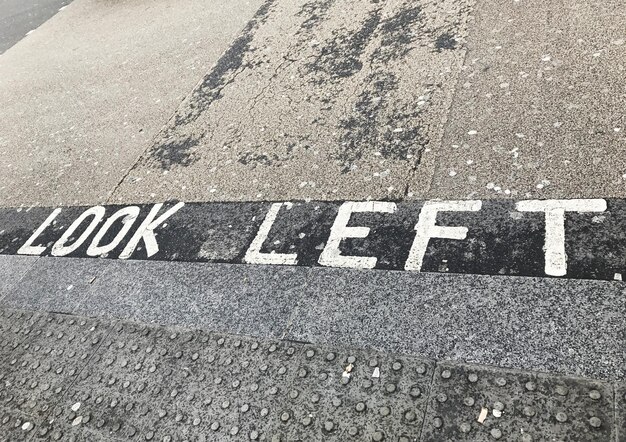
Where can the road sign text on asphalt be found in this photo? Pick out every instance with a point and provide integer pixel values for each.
(576, 238)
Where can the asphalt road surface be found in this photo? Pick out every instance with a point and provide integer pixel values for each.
(18, 18)
(313, 220)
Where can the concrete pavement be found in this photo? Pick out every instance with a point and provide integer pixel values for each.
(317, 102)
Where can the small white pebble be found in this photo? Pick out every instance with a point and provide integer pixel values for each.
(472, 132)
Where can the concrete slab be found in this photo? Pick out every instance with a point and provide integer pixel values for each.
(12, 269)
(539, 111)
(516, 406)
(84, 95)
(571, 327)
(246, 299)
(20, 17)
(234, 299)
(326, 99)
(51, 284)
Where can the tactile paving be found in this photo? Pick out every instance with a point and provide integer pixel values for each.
(42, 357)
(349, 394)
(67, 378)
(483, 404)
(166, 384)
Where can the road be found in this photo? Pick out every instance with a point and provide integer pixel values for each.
(347, 186)
(18, 18)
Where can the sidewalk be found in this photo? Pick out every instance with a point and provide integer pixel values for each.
(67, 377)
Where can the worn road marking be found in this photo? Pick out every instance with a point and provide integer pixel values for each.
(578, 238)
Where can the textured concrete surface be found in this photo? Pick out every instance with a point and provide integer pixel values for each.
(291, 100)
(307, 104)
(539, 107)
(320, 99)
(20, 17)
(564, 326)
(67, 377)
(83, 96)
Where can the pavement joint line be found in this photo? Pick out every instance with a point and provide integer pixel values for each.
(571, 238)
(561, 407)
(428, 400)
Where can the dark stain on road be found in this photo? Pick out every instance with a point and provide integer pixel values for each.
(340, 57)
(445, 41)
(315, 11)
(178, 150)
(398, 32)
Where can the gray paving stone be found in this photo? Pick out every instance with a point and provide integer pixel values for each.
(343, 394)
(54, 284)
(159, 383)
(15, 425)
(78, 379)
(12, 269)
(570, 327)
(15, 326)
(517, 406)
(233, 299)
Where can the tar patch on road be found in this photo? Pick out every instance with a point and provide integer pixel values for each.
(558, 238)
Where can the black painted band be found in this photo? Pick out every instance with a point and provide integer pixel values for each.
(502, 237)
